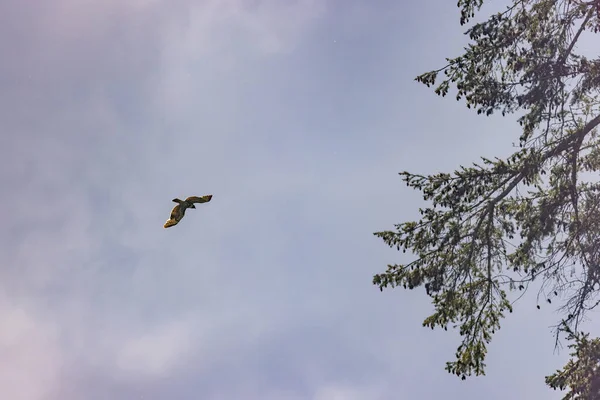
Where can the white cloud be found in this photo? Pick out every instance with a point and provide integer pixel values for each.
(155, 353)
(222, 36)
(30, 360)
(345, 391)
(216, 25)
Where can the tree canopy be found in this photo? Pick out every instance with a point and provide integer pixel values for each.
(489, 230)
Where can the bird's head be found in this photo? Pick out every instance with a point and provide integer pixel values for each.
(192, 205)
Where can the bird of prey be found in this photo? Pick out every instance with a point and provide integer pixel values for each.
(179, 210)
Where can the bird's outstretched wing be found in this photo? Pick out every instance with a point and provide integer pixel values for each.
(176, 214)
(171, 222)
(176, 211)
(201, 199)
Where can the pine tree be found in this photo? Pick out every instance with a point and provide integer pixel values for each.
(491, 229)
(580, 374)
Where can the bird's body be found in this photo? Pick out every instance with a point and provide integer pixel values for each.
(179, 210)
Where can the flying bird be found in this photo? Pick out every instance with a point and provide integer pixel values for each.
(179, 210)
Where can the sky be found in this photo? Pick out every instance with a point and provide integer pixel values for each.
(297, 116)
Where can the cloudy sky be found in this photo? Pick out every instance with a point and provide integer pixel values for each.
(297, 116)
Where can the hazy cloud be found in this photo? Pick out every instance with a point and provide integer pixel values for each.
(296, 116)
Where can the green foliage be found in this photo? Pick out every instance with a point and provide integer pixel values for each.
(581, 374)
(492, 228)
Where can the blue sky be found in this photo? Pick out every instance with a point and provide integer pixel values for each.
(296, 116)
